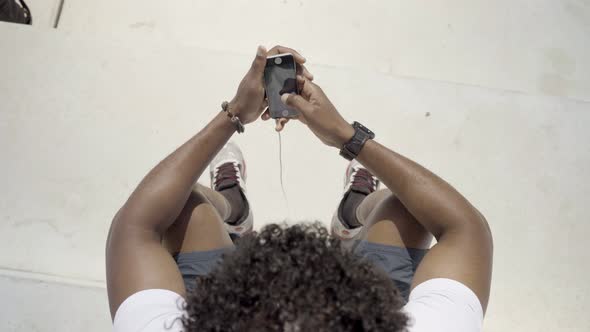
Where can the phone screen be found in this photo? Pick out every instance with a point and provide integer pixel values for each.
(280, 78)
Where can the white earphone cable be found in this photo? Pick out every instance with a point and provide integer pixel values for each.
(281, 175)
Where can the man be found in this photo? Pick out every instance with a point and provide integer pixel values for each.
(171, 264)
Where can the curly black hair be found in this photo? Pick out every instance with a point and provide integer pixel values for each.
(294, 278)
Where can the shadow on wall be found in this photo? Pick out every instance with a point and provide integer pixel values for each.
(15, 11)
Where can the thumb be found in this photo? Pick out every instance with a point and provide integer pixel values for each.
(260, 60)
(297, 102)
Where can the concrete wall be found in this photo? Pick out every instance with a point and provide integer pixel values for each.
(535, 46)
(492, 96)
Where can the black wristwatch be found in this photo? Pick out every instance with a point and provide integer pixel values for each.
(352, 149)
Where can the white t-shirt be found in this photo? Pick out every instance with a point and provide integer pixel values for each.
(441, 305)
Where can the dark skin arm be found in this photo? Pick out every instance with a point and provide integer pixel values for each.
(464, 249)
(135, 258)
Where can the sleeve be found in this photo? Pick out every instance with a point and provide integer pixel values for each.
(152, 310)
(444, 305)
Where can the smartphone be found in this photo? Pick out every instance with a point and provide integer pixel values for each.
(279, 78)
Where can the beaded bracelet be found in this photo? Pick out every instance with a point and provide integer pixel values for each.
(234, 118)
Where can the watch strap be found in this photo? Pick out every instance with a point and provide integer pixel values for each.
(352, 148)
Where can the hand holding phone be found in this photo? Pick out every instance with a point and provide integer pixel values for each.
(249, 101)
(319, 114)
(280, 77)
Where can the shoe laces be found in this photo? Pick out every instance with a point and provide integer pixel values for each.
(362, 178)
(227, 172)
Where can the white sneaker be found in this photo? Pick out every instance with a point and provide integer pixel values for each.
(359, 179)
(227, 169)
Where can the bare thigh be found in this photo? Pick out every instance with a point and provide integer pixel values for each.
(199, 227)
(387, 221)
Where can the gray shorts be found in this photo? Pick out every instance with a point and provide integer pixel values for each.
(399, 263)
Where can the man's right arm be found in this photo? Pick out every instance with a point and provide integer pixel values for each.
(464, 249)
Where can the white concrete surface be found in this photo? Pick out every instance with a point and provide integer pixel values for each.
(35, 305)
(87, 110)
(44, 12)
(535, 46)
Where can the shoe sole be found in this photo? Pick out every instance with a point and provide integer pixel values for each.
(339, 230)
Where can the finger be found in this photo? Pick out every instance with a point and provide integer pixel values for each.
(300, 83)
(259, 61)
(297, 102)
(265, 115)
(281, 124)
(302, 70)
(282, 49)
(306, 87)
(300, 80)
(307, 74)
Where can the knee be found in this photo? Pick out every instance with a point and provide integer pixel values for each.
(386, 207)
(390, 204)
(388, 198)
(199, 195)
